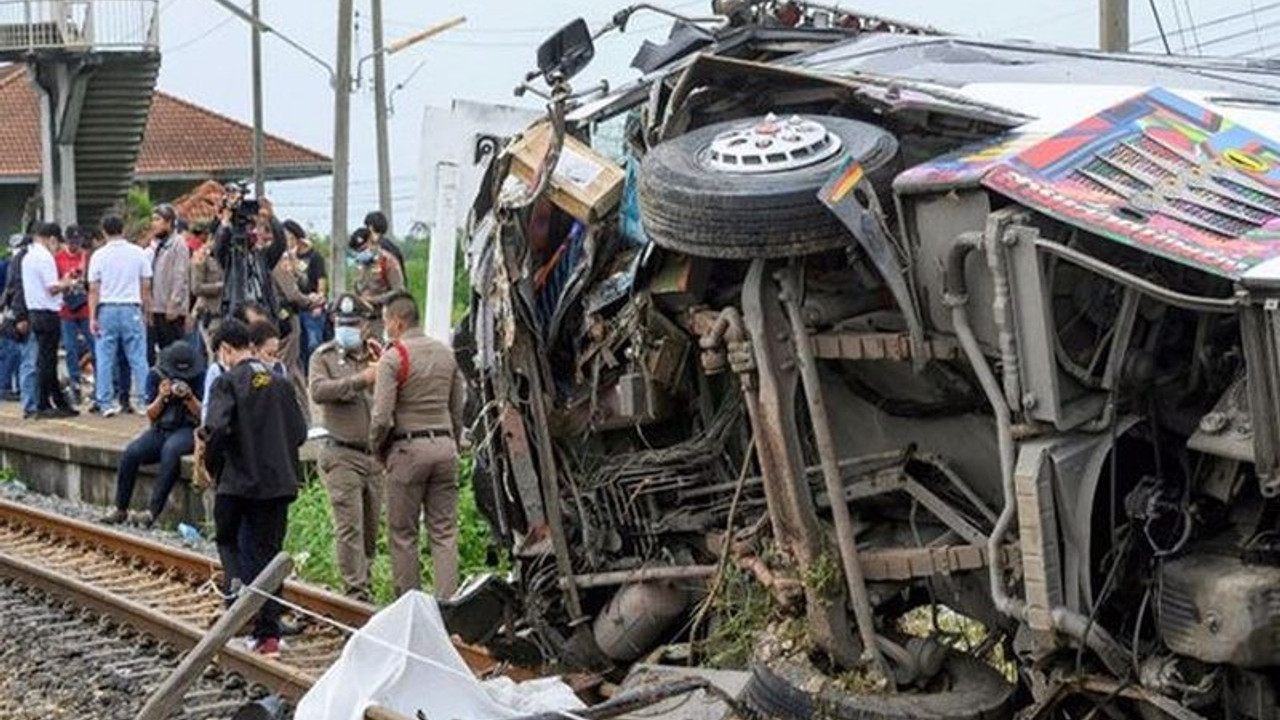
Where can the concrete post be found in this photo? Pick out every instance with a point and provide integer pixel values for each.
(380, 116)
(443, 253)
(48, 192)
(259, 154)
(1113, 25)
(341, 152)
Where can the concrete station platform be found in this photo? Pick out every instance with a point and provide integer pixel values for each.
(77, 459)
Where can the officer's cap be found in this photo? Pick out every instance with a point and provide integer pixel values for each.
(350, 309)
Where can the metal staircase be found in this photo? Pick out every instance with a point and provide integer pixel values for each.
(112, 120)
(95, 64)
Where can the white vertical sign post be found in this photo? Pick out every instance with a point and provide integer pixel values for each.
(443, 253)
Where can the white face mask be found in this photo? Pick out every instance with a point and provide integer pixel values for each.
(347, 336)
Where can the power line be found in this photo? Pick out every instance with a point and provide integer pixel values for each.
(1257, 31)
(1195, 32)
(1182, 30)
(1155, 12)
(1041, 21)
(192, 41)
(1239, 34)
(543, 30)
(1210, 23)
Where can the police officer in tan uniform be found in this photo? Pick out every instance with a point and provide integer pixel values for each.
(417, 418)
(341, 383)
(379, 276)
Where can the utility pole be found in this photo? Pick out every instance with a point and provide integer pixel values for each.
(1113, 25)
(380, 114)
(341, 151)
(259, 155)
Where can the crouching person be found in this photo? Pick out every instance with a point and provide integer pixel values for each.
(252, 433)
(173, 393)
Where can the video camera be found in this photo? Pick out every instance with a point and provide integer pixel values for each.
(244, 210)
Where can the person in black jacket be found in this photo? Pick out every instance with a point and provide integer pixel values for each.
(252, 433)
(12, 311)
(247, 258)
(19, 325)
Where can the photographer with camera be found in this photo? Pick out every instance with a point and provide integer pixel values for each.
(248, 244)
(175, 388)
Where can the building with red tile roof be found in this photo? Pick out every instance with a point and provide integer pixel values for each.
(183, 145)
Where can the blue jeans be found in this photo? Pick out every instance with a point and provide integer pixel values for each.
(76, 341)
(27, 373)
(154, 445)
(10, 359)
(312, 335)
(121, 383)
(120, 326)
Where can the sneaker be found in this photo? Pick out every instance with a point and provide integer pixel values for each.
(142, 518)
(112, 411)
(116, 517)
(128, 409)
(59, 412)
(267, 646)
(95, 409)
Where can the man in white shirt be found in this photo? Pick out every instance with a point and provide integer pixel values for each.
(119, 302)
(41, 288)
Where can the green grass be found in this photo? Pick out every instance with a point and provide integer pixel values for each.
(310, 539)
(741, 613)
(311, 542)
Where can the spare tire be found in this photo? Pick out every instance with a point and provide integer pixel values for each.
(792, 689)
(747, 189)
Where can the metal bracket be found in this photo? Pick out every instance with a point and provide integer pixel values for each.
(1260, 332)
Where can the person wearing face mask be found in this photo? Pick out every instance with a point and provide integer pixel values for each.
(341, 381)
(416, 421)
(379, 275)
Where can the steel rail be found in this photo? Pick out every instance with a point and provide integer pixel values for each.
(287, 681)
(290, 682)
(186, 562)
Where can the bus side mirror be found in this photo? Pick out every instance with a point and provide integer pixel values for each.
(567, 52)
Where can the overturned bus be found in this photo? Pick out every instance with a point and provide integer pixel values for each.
(962, 355)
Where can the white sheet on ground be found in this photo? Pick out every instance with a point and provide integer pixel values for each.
(379, 667)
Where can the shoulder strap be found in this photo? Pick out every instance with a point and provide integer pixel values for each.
(382, 267)
(402, 375)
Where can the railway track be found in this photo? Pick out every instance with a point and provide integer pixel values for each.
(63, 661)
(164, 593)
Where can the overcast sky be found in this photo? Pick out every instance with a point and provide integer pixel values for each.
(206, 60)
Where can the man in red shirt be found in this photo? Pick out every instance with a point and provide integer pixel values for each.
(72, 260)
